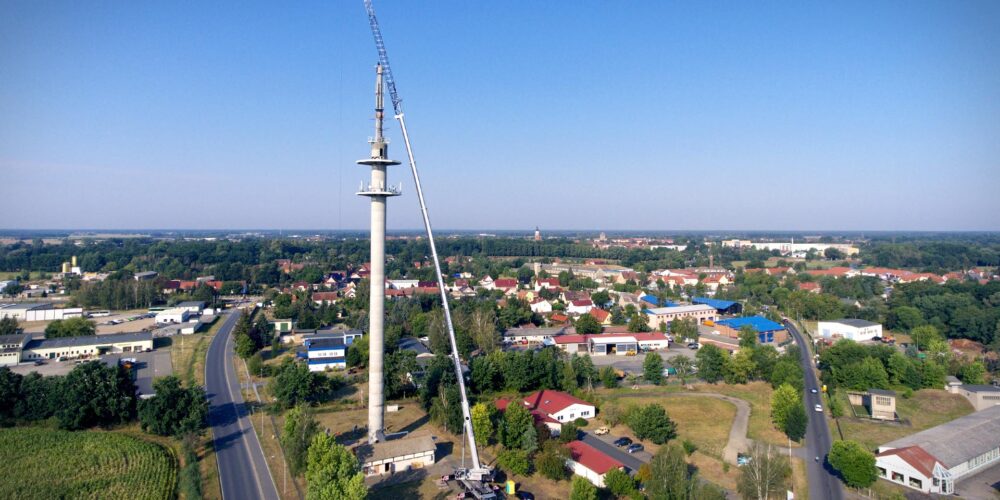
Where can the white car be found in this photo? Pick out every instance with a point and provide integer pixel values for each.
(819, 408)
(812, 391)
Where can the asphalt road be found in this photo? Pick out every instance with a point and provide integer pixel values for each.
(823, 483)
(243, 471)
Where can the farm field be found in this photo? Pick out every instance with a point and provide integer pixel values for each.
(46, 463)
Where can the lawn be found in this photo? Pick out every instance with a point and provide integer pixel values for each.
(758, 394)
(925, 409)
(45, 463)
(689, 413)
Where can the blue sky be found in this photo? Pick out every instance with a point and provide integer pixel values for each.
(564, 115)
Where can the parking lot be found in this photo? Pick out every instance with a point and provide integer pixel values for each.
(148, 365)
(633, 364)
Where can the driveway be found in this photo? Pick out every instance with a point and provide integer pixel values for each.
(149, 366)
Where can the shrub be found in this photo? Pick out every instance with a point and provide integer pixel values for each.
(689, 447)
(551, 462)
(618, 482)
(568, 432)
(580, 422)
(515, 462)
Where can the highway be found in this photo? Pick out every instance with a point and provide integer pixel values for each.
(243, 472)
(823, 483)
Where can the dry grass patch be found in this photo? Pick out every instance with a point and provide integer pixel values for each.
(758, 394)
(702, 420)
(713, 470)
(927, 408)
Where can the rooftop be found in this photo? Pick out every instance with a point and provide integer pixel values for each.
(592, 458)
(716, 303)
(980, 388)
(113, 338)
(534, 332)
(759, 323)
(958, 441)
(857, 323)
(680, 309)
(882, 392)
(17, 338)
(394, 448)
(551, 401)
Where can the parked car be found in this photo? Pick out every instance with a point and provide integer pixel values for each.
(600, 431)
(524, 495)
(742, 459)
(693, 345)
(622, 441)
(819, 408)
(632, 448)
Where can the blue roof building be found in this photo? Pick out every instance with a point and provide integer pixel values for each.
(330, 352)
(764, 327)
(723, 306)
(653, 301)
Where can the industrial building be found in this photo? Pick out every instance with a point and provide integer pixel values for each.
(192, 306)
(11, 347)
(598, 344)
(326, 353)
(531, 335)
(590, 463)
(721, 306)
(767, 330)
(857, 330)
(88, 346)
(396, 455)
(175, 315)
(934, 460)
(697, 312)
(981, 396)
(38, 311)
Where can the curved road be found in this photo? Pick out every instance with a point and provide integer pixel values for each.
(823, 484)
(243, 472)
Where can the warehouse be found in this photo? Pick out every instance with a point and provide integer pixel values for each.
(328, 352)
(767, 330)
(857, 330)
(721, 306)
(396, 455)
(85, 347)
(38, 311)
(697, 312)
(175, 315)
(933, 460)
(11, 347)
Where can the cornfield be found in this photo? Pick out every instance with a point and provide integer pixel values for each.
(46, 463)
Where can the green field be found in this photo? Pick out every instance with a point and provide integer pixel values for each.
(45, 463)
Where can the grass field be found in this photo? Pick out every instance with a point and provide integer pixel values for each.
(927, 408)
(758, 394)
(46, 463)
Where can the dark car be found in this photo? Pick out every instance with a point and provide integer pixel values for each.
(634, 448)
(524, 495)
(622, 441)
(693, 345)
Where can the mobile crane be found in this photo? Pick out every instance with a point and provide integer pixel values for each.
(476, 478)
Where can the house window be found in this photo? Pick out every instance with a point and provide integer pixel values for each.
(881, 471)
(897, 477)
(916, 483)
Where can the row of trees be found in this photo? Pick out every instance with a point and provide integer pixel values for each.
(851, 365)
(753, 361)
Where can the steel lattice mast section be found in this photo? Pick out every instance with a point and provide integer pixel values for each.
(378, 191)
(477, 471)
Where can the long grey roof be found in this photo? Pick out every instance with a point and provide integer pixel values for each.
(534, 332)
(857, 323)
(90, 340)
(394, 448)
(957, 441)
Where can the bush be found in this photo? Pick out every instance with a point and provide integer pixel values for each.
(580, 422)
(854, 463)
(907, 393)
(514, 462)
(689, 447)
(189, 480)
(568, 432)
(582, 489)
(551, 462)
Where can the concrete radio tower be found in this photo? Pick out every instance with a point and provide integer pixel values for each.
(378, 191)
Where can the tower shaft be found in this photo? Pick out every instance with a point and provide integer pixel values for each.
(378, 192)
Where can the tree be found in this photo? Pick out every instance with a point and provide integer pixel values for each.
(568, 378)
(619, 483)
(8, 326)
(973, 373)
(295, 384)
(516, 422)
(684, 329)
(296, 435)
(483, 329)
(551, 462)
(855, 464)
(652, 368)
(638, 323)
(587, 324)
(668, 477)
(711, 363)
(783, 399)
(72, 327)
(174, 410)
(600, 298)
(924, 335)
(765, 476)
(796, 422)
(10, 391)
(483, 415)
(739, 367)
(245, 346)
(95, 394)
(683, 365)
(568, 432)
(651, 422)
(582, 489)
(748, 337)
(515, 461)
(333, 472)
(608, 377)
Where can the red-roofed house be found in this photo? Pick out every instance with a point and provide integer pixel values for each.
(579, 306)
(558, 318)
(911, 466)
(559, 406)
(320, 297)
(589, 462)
(811, 286)
(836, 272)
(546, 283)
(603, 317)
(505, 283)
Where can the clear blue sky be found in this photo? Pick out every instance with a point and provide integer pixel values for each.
(564, 115)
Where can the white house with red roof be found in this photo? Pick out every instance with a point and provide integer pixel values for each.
(603, 317)
(577, 307)
(508, 285)
(560, 406)
(589, 462)
(546, 283)
(541, 306)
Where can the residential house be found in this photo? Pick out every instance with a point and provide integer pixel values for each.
(578, 307)
(590, 463)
